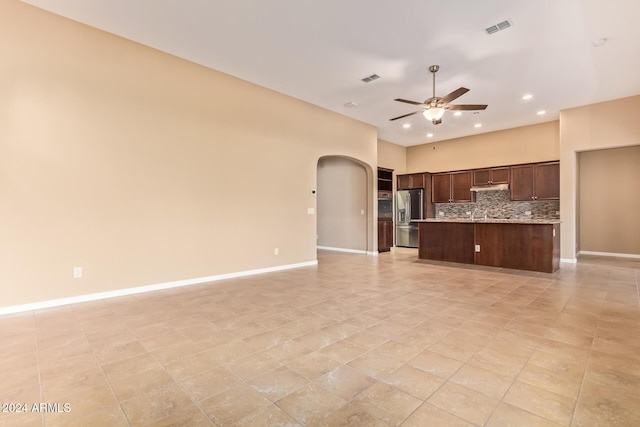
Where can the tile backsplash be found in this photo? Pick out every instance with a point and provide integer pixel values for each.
(497, 204)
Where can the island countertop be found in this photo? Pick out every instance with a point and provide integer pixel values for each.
(490, 220)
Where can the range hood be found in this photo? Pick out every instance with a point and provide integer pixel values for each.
(492, 187)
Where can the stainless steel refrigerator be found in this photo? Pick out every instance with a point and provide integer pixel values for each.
(409, 205)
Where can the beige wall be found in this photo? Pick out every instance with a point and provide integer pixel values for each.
(392, 156)
(342, 197)
(144, 168)
(609, 212)
(612, 124)
(525, 144)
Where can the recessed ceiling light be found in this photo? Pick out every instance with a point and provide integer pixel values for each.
(599, 42)
(429, 135)
(457, 113)
(477, 125)
(406, 125)
(541, 112)
(527, 97)
(350, 104)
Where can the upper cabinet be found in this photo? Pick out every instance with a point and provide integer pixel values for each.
(451, 187)
(385, 179)
(534, 181)
(411, 181)
(540, 181)
(491, 176)
(441, 188)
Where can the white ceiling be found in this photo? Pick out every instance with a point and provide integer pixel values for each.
(318, 50)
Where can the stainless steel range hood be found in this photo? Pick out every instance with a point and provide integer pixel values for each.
(493, 187)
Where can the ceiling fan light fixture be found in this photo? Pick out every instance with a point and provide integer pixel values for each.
(433, 113)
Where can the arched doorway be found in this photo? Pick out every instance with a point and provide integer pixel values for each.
(344, 205)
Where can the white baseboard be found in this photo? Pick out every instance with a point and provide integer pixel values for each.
(351, 251)
(147, 288)
(609, 254)
(569, 260)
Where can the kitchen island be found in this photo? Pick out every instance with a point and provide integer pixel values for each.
(519, 244)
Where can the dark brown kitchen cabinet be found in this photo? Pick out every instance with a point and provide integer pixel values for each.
(461, 183)
(491, 176)
(534, 247)
(385, 236)
(441, 188)
(524, 246)
(385, 179)
(547, 181)
(446, 241)
(411, 181)
(451, 187)
(539, 181)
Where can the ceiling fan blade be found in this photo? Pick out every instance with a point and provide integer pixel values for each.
(406, 115)
(455, 94)
(409, 102)
(465, 107)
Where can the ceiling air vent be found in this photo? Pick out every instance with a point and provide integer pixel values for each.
(498, 27)
(370, 78)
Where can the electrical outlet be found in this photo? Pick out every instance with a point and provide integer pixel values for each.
(310, 211)
(77, 272)
(361, 211)
(477, 248)
(527, 212)
(276, 251)
(441, 213)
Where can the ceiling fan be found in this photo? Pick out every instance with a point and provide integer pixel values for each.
(434, 107)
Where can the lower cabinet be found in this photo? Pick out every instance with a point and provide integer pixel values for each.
(446, 241)
(385, 235)
(522, 246)
(533, 247)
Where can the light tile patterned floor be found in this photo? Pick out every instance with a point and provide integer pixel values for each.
(358, 341)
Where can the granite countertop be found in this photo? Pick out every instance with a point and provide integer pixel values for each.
(491, 220)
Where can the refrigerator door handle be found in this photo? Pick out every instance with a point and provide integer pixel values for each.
(408, 209)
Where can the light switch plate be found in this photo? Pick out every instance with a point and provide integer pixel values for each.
(477, 248)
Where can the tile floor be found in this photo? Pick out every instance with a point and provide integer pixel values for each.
(357, 341)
